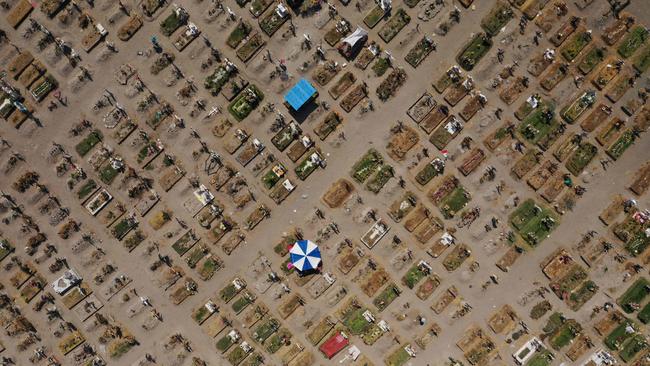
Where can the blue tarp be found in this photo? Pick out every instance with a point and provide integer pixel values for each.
(300, 94)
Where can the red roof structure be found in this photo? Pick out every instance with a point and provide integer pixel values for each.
(334, 345)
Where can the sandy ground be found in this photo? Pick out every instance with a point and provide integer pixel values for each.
(361, 131)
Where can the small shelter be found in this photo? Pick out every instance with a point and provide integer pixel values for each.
(301, 94)
(353, 43)
(334, 345)
(305, 256)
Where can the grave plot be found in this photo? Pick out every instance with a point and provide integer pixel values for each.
(458, 91)
(641, 60)
(325, 72)
(549, 16)
(328, 125)
(585, 100)
(610, 131)
(374, 16)
(560, 331)
(475, 49)
(402, 206)
(592, 58)
(497, 18)
(427, 229)
(540, 62)
(429, 171)
(400, 356)
(342, 85)
(232, 242)
(642, 119)
(433, 119)
(476, 102)
(446, 132)
(401, 142)
(632, 41)
(387, 296)
(574, 45)
(623, 82)
(556, 131)
(453, 75)
(444, 299)
(472, 161)
(639, 186)
(456, 257)
(477, 347)
(275, 342)
(273, 20)
(581, 158)
(421, 108)
(631, 232)
(533, 222)
(565, 31)
(246, 102)
(499, 135)
(538, 123)
(607, 72)
(615, 31)
(359, 321)
(503, 320)
(632, 299)
(579, 347)
(567, 147)
(599, 115)
(510, 257)
(618, 147)
(353, 98)
(367, 55)
(449, 196)
(553, 188)
(554, 75)
(394, 25)
(389, 86)
(510, 91)
(340, 29)
(250, 47)
(420, 51)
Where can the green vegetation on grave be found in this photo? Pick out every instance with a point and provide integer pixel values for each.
(560, 330)
(497, 18)
(641, 61)
(367, 165)
(122, 228)
(355, 322)
(632, 347)
(578, 106)
(228, 293)
(236, 356)
(427, 173)
(88, 143)
(386, 297)
(619, 146)
(107, 174)
(224, 343)
(595, 56)
(644, 314)
(380, 66)
(259, 6)
(637, 243)
(572, 47)
(306, 167)
(538, 123)
(533, 222)
(632, 41)
(394, 25)
(582, 294)
(265, 329)
(277, 340)
(398, 358)
(284, 137)
(215, 81)
(5, 249)
(454, 202)
(173, 21)
(246, 102)
(272, 22)
(420, 51)
(474, 51)
(617, 337)
(541, 357)
(634, 295)
(413, 276)
(383, 175)
(581, 158)
(271, 178)
(374, 16)
(87, 188)
(250, 47)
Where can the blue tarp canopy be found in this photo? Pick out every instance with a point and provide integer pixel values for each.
(300, 94)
